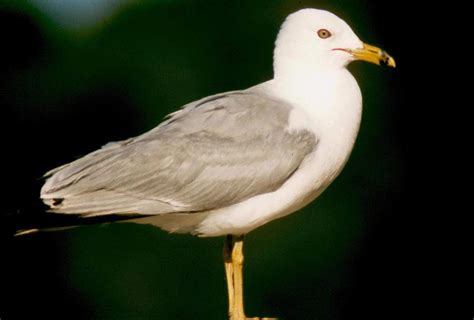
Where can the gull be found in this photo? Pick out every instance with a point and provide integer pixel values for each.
(232, 162)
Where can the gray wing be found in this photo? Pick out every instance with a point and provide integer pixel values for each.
(212, 153)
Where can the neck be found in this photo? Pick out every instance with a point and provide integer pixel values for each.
(289, 68)
(312, 81)
(328, 95)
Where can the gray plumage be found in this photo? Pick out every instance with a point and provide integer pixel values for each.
(213, 153)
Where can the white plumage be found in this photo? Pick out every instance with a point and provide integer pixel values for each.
(230, 163)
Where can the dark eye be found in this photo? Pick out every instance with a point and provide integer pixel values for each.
(324, 33)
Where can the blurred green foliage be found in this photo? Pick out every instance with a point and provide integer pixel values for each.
(78, 88)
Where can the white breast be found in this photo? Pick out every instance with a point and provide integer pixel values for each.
(329, 105)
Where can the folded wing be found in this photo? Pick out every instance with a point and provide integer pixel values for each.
(212, 153)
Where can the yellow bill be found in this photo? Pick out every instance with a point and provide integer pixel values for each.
(373, 54)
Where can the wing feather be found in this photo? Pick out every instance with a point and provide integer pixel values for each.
(213, 153)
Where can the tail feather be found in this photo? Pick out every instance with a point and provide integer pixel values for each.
(47, 222)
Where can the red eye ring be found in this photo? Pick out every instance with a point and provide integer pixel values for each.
(324, 33)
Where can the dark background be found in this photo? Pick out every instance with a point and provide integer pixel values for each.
(74, 80)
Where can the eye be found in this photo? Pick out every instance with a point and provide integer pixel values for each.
(324, 33)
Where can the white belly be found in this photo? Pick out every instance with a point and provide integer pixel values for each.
(316, 173)
(335, 123)
(336, 126)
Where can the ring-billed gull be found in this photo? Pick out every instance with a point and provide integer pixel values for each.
(229, 163)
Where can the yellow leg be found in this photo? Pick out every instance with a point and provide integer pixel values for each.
(233, 262)
(237, 264)
(229, 274)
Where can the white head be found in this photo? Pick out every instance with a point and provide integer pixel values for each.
(312, 40)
